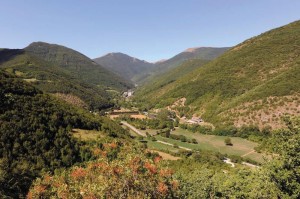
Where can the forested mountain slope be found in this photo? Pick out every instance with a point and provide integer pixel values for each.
(125, 66)
(35, 134)
(164, 67)
(203, 53)
(61, 81)
(77, 64)
(255, 82)
(162, 80)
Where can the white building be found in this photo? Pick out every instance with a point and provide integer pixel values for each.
(195, 120)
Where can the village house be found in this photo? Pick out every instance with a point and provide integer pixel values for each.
(129, 93)
(195, 120)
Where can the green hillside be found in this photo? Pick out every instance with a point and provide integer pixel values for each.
(53, 79)
(256, 79)
(162, 68)
(164, 79)
(206, 53)
(78, 65)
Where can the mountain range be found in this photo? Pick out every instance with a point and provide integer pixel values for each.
(140, 71)
(75, 78)
(255, 82)
(64, 72)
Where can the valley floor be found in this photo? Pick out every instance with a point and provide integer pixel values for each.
(241, 147)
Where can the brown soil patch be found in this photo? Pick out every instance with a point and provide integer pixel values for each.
(136, 116)
(123, 110)
(166, 156)
(180, 102)
(175, 105)
(113, 116)
(239, 46)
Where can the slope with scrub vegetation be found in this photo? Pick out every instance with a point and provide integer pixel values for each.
(261, 68)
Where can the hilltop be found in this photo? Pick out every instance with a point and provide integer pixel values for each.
(78, 64)
(254, 83)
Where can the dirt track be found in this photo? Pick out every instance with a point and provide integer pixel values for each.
(133, 128)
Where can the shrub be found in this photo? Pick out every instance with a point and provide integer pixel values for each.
(228, 142)
(194, 141)
(135, 175)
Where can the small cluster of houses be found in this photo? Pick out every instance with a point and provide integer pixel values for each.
(194, 120)
(129, 93)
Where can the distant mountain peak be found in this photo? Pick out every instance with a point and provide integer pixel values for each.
(191, 50)
(114, 54)
(124, 65)
(42, 44)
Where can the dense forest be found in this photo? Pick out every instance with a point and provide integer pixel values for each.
(35, 134)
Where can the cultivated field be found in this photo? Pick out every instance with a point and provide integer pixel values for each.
(159, 146)
(241, 147)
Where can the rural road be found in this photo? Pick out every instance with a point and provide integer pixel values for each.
(167, 143)
(250, 165)
(133, 128)
(144, 135)
(228, 161)
(248, 153)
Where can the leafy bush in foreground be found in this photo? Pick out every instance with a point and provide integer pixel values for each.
(128, 175)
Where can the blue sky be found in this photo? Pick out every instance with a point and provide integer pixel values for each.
(147, 29)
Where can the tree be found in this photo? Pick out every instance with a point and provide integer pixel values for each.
(284, 170)
(168, 133)
(228, 141)
(176, 122)
(182, 138)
